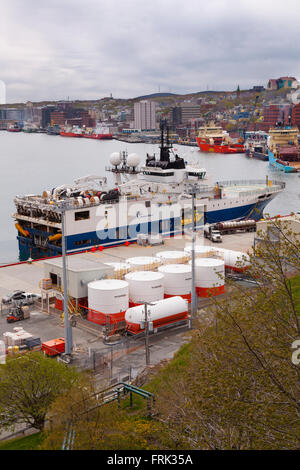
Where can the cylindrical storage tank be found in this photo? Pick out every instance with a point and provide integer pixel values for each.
(120, 269)
(177, 280)
(209, 277)
(202, 251)
(176, 257)
(145, 286)
(164, 312)
(144, 263)
(236, 260)
(107, 297)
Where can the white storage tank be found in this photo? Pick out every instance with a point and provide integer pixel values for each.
(177, 280)
(203, 251)
(176, 257)
(120, 269)
(162, 313)
(209, 277)
(144, 263)
(107, 297)
(145, 286)
(236, 260)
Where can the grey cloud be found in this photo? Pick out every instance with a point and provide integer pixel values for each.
(89, 49)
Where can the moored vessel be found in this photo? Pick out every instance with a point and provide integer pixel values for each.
(154, 198)
(100, 133)
(212, 138)
(283, 148)
(256, 145)
(72, 132)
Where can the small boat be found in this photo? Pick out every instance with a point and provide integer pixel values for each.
(14, 128)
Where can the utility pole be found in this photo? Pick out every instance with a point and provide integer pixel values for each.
(68, 329)
(147, 335)
(194, 296)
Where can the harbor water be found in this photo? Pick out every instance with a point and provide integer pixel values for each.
(32, 163)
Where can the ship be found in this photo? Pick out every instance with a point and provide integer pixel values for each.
(212, 138)
(72, 132)
(14, 128)
(155, 198)
(100, 133)
(53, 130)
(256, 145)
(283, 148)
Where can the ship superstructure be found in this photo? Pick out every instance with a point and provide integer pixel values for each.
(154, 198)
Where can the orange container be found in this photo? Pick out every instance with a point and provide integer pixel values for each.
(54, 346)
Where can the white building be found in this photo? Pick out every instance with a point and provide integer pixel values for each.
(145, 115)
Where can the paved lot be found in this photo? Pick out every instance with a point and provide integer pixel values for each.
(27, 276)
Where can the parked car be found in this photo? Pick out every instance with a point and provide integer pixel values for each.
(15, 295)
(20, 298)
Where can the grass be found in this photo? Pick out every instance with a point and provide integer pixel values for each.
(296, 291)
(31, 442)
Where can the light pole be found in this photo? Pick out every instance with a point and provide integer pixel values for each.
(68, 328)
(147, 335)
(194, 300)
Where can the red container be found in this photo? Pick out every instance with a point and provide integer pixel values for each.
(54, 347)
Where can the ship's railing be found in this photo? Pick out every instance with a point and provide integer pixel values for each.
(281, 184)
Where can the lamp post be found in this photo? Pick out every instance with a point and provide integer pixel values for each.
(194, 299)
(68, 328)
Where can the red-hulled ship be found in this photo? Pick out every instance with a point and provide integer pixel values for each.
(14, 128)
(99, 133)
(72, 132)
(212, 138)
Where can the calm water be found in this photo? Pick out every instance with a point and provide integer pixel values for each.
(32, 163)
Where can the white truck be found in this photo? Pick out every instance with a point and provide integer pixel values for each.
(212, 233)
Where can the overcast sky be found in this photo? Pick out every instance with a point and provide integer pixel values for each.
(87, 49)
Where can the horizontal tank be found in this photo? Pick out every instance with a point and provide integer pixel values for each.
(203, 251)
(145, 286)
(143, 263)
(236, 260)
(177, 280)
(209, 276)
(176, 257)
(107, 297)
(164, 312)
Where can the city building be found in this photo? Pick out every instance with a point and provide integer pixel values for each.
(275, 113)
(282, 82)
(296, 115)
(145, 115)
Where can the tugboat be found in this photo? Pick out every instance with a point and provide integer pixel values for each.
(53, 130)
(154, 198)
(256, 145)
(14, 128)
(212, 138)
(284, 147)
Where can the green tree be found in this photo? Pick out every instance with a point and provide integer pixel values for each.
(240, 389)
(28, 386)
